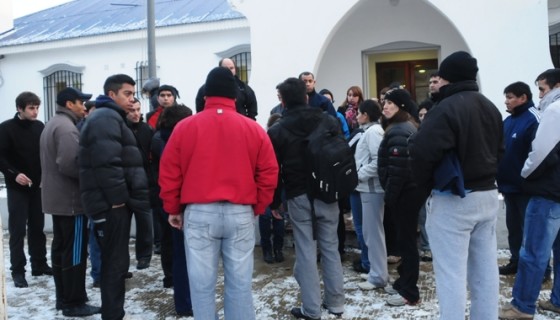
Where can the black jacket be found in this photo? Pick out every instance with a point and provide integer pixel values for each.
(111, 166)
(143, 134)
(245, 103)
(393, 162)
(464, 122)
(288, 138)
(19, 151)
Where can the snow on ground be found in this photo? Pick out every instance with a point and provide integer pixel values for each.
(275, 292)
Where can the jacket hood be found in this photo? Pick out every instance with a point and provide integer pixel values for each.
(68, 113)
(301, 120)
(549, 98)
(103, 101)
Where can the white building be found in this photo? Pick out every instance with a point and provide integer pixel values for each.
(369, 43)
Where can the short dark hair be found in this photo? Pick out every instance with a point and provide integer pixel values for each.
(27, 98)
(115, 82)
(551, 77)
(518, 89)
(171, 116)
(426, 104)
(434, 75)
(371, 108)
(327, 91)
(293, 92)
(306, 73)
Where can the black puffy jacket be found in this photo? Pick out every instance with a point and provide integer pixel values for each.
(393, 163)
(111, 166)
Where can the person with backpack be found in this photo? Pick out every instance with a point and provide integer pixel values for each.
(371, 195)
(402, 196)
(312, 218)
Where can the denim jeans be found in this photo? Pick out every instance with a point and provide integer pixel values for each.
(269, 225)
(356, 205)
(225, 230)
(540, 235)
(462, 235)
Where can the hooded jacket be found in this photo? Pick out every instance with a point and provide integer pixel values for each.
(367, 151)
(467, 123)
(288, 138)
(60, 142)
(111, 166)
(19, 151)
(542, 167)
(233, 162)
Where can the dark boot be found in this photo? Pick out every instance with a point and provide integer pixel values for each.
(278, 255)
(267, 256)
(81, 311)
(19, 280)
(298, 314)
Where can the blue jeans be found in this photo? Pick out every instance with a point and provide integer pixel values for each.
(94, 254)
(215, 230)
(540, 235)
(356, 206)
(269, 225)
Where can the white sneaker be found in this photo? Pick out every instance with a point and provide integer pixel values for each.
(390, 290)
(364, 276)
(396, 300)
(366, 285)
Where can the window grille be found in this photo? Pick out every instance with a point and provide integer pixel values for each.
(56, 82)
(243, 63)
(142, 73)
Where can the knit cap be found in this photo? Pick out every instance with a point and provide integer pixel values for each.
(402, 99)
(459, 66)
(220, 83)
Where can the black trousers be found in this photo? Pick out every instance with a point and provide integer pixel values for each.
(25, 212)
(113, 237)
(144, 235)
(69, 260)
(166, 242)
(406, 213)
(390, 227)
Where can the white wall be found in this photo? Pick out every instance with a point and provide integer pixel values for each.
(183, 60)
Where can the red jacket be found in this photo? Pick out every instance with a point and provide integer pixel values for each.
(218, 155)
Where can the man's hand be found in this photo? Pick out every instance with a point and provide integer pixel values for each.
(176, 221)
(276, 214)
(23, 180)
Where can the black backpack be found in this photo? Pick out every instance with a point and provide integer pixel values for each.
(331, 164)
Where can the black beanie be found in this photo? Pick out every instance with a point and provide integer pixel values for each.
(402, 99)
(459, 66)
(169, 88)
(220, 83)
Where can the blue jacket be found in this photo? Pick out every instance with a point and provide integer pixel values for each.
(519, 132)
(319, 100)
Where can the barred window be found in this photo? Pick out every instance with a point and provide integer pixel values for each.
(554, 40)
(55, 79)
(241, 54)
(243, 64)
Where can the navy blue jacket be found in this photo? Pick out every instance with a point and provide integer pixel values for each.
(519, 132)
(319, 100)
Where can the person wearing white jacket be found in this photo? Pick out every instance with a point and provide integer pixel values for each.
(371, 194)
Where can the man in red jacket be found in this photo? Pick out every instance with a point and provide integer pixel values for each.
(220, 178)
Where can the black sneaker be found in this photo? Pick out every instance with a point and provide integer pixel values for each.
(19, 280)
(128, 275)
(143, 263)
(45, 270)
(296, 312)
(168, 282)
(182, 314)
(81, 311)
(510, 268)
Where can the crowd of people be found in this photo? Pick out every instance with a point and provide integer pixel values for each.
(428, 177)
